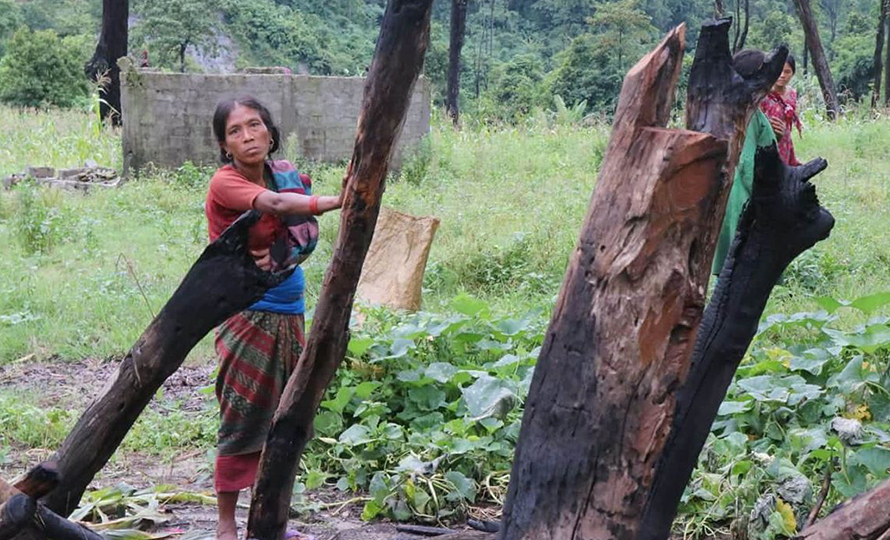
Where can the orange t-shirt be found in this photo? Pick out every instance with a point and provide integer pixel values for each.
(230, 195)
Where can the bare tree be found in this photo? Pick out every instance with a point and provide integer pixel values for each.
(111, 46)
(458, 32)
(879, 46)
(741, 35)
(820, 63)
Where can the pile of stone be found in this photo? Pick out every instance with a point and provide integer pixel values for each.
(80, 179)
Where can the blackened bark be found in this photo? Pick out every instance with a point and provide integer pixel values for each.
(458, 31)
(878, 62)
(782, 221)
(223, 281)
(820, 63)
(15, 514)
(398, 60)
(887, 63)
(111, 46)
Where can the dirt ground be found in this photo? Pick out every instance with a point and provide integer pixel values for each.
(74, 384)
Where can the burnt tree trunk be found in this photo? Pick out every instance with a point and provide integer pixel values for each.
(111, 46)
(602, 398)
(820, 63)
(865, 517)
(15, 514)
(42, 522)
(223, 281)
(782, 221)
(458, 32)
(398, 59)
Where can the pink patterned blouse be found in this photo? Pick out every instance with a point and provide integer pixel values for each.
(784, 107)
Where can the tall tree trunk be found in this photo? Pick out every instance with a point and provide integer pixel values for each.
(404, 37)
(887, 64)
(744, 35)
(601, 401)
(458, 31)
(111, 46)
(878, 62)
(182, 48)
(806, 57)
(820, 63)
(782, 221)
(223, 281)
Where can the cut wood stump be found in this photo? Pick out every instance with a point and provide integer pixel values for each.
(398, 59)
(602, 401)
(223, 281)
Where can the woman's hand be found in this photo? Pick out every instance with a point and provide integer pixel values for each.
(262, 258)
(778, 127)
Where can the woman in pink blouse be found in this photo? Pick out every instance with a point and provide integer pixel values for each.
(780, 107)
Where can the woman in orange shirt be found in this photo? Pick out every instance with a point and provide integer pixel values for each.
(259, 347)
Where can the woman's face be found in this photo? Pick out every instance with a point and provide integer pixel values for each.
(247, 138)
(785, 77)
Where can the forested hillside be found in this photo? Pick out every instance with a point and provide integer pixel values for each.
(518, 54)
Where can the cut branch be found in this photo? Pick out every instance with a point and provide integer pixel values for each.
(222, 282)
(39, 480)
(404, 36)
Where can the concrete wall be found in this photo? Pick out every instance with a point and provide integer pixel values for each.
(167, 116)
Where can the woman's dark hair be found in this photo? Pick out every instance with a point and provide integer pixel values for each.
(221, 116)
(791, 62)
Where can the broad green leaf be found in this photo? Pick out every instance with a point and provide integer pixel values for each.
(441, 371)
(507, 360)
(339, 403)
(828, 303)
(358, 346)
(868, 304)
(427, 398)
(355, 435)
(314, 479)
(328, 423)
(371, 510)
(465, 487)
(869, 339)
(734, 407)
(379, 487)
(365, 389)
(809, 362)
(488, 396)
(876, 459)
(468, 305)
(511, 327)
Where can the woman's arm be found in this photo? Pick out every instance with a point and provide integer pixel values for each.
(288, 204)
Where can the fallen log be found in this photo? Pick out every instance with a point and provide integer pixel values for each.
(865, 517)
(15, 514)
(223, 281)
(602, 399)
(398, 59)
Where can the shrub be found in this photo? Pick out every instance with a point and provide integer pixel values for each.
(39, 70)
(39, 220)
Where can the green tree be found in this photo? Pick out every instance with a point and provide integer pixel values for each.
(515, 87)
(623, 28)
(39, 69)
(10, 20)
(170, 27)
(587, 71)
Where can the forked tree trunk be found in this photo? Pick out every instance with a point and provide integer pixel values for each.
(865, 517)
(404, 36)
(878, 61)
(782, 221)
(458, 31)
(602, 398)
(817, 53)
(222, 282)
(111, 46)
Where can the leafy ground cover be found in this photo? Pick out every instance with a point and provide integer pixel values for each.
(421, 421)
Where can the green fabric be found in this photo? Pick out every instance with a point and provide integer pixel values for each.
(758, 134)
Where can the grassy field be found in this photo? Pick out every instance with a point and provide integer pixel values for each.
(81, 277)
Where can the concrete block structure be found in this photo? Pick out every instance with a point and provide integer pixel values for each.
(167, 116)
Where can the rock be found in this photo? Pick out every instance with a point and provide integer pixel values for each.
(41, 172)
